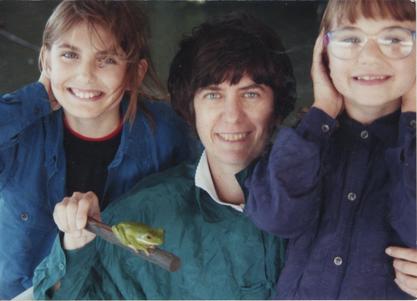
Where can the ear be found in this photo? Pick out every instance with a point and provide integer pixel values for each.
(141, 72)
(142, 69)
(44, 60)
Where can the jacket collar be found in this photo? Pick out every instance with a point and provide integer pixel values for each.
(211, 207)
(204, 181)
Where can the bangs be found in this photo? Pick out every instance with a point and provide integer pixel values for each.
(231, 64)
(111, 47)
(351, 10)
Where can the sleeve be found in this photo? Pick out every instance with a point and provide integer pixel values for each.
(187, 145)
(74, 274)
(20, 109)
(402, 162)
(175, 141)
(284, 189)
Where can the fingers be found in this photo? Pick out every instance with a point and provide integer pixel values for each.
(60, 215)
(94, 209)
(71, 214)
(405, 266)
(408, 254)
(318, 67)
(406, 280)
(87, 206)
(45, 81)
(326, 96)
(405, 288)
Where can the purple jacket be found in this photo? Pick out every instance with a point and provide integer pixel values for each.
(341, 192)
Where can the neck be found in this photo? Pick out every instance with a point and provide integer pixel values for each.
(368, 114)
(93, 128)
(227, 187)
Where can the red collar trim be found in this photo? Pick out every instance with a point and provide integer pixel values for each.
(99, 139)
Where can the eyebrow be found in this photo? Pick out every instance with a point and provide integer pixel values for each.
(385, 28)
(253, 86)
(348, 28)
(74, 48)
(248, 87)
(66, 45)
(211, 88)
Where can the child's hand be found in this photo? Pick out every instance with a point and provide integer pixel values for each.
(44, 80)
(71, 215)
(326, 97)
(405, 266)
(409, 100)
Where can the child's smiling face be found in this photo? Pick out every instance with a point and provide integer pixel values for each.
(372, 80)
(87, 77)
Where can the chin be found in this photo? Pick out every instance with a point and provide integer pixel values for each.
(240, 162)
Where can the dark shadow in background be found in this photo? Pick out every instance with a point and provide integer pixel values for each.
(296, 22)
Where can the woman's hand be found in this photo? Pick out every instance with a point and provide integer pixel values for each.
(409, 100)
(326, 97)
(405, 266)
(44, 80)
(71, 214)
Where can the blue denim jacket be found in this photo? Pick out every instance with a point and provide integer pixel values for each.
(32, 173)
(341, 192)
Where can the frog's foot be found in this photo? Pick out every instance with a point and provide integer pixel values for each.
(133, 248)
(148, 250)
(137, 249)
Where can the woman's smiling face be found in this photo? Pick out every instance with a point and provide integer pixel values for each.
(234, 122)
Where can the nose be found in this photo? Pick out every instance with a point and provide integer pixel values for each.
(233, 109)
(370, 53)
(87, 71)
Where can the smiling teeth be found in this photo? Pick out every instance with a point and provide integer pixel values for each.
(233, 137)
(85, 94)
(371, 77)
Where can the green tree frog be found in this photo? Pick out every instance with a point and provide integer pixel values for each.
(138, 236)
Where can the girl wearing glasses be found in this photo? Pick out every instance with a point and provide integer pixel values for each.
(342, 185)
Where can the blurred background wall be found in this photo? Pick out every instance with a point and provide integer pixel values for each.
(296, 21)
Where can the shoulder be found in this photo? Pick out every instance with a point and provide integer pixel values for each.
(159, 117)
(162, 112)
(169, 129)
(33, 90)
(155, 193)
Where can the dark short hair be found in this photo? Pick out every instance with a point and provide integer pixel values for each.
(226, 49)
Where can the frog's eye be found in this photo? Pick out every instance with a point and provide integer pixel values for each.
(148, 237)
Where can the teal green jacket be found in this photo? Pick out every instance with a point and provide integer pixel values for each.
(223, 255)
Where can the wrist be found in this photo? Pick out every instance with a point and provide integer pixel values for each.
(73, 242)
(332, 111)
(408, 108)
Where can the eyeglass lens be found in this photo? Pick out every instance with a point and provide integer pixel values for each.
(393, 42)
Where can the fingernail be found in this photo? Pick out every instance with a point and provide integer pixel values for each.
(388, 251)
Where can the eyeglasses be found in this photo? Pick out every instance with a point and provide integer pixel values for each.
(393, 42)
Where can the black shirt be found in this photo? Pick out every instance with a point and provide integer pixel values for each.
(87, 162)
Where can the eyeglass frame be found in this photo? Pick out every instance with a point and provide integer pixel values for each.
(328, 37)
